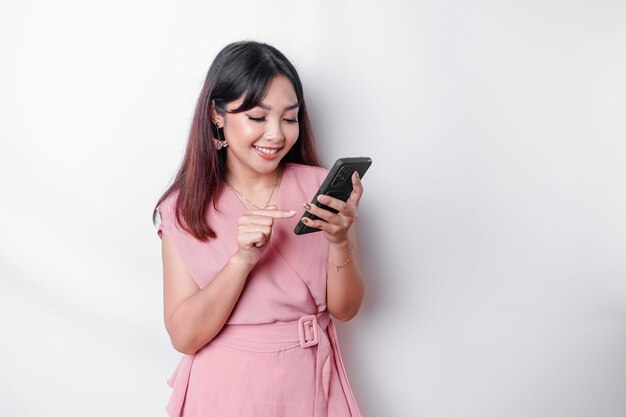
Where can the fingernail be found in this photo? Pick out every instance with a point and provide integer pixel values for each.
(292, 212)
(356, 174)
(304, 220)
(307, 206)
(321, 197)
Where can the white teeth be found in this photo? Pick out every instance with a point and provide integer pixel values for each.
(267, 151)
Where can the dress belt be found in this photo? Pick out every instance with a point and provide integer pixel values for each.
(308, 331)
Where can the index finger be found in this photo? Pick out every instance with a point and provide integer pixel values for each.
(357, 192)
(277, 214)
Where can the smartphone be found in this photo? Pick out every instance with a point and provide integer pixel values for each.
(338, 184)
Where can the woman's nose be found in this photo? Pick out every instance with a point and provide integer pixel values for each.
(274, 130)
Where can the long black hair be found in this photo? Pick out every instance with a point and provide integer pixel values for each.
(244, 68)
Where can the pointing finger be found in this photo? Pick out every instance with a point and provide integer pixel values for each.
(277, 214)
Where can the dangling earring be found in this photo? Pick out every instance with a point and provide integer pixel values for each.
(219, 142)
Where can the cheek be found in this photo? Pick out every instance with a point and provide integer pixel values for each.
(247, 131)
(293, 132)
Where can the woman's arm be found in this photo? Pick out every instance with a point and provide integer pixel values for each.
(344, 285)
(344, 288)
(194, 316)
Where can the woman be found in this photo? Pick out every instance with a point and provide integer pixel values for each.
(246, 300)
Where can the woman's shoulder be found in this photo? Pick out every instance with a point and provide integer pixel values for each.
(308, 172)
(169, 202)
(166, 212)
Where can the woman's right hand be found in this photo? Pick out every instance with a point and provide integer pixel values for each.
(255, 230)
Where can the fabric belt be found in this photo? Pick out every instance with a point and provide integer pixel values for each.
(309, 331)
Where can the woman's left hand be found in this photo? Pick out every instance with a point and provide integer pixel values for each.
(336, 225)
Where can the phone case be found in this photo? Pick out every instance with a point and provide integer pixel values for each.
(338, 184)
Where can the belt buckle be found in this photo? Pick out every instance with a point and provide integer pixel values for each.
(304, 330)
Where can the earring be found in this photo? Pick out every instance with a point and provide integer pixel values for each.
(219, 142)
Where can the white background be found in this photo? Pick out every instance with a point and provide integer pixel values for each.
(492, 228)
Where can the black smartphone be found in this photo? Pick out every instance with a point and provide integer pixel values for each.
(338, 184)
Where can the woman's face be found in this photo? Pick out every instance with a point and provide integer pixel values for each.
(260, 137)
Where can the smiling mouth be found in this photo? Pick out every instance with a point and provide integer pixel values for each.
(268, 151)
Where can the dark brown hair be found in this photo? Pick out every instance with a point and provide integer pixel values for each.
(241, 68)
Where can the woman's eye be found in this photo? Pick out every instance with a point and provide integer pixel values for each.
(260, 119)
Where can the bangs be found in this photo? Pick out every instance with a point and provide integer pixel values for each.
(255, 88)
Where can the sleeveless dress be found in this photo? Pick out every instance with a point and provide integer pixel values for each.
(278, 354)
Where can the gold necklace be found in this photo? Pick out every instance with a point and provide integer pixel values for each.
(244, 197)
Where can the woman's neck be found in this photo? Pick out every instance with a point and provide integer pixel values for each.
(250, 182)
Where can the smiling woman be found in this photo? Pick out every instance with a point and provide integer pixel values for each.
(246, 300)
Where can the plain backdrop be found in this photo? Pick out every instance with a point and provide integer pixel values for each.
(492, 228)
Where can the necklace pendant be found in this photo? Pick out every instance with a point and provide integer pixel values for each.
(250, 202)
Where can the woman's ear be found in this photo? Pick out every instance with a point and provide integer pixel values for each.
(215, 118)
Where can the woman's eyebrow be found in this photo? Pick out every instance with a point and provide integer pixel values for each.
(289, 107)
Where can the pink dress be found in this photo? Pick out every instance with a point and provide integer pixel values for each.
(277, 355)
